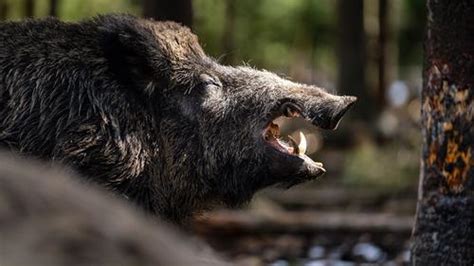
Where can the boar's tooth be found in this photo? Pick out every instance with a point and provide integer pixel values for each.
(303, 144)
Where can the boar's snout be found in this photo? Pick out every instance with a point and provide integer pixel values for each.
(347, 102)
(330, 115)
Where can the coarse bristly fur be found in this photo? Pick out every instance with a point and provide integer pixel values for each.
(137, 106)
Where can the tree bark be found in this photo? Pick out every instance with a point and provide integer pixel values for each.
(175, 10)
(444, 229)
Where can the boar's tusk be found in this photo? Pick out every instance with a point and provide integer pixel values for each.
(303, 144)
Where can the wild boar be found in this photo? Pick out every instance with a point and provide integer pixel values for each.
(138, 107)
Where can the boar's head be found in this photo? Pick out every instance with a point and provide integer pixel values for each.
(236, 113)
(215, 122)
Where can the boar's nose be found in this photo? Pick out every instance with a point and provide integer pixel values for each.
(334, 113)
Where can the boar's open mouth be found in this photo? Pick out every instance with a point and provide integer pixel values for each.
(271, 134)
(292, 154)
(287, 145)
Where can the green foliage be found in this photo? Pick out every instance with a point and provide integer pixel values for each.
(74, 9)
(77, 9)
(209, 18)
(268, 32)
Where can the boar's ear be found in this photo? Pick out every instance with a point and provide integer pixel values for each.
(128, 56)
(142, 51)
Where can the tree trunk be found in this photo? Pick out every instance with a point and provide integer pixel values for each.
(175, 10)
(352, 55)
(382, 52)
(53, 8)
(29, 8)
(444, 229)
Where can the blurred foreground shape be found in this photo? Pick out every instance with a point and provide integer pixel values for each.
(49, 219)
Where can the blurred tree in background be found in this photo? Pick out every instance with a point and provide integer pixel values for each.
(29, 8)
(53, 8)
(3, 9)
(352, 58)
(176, 10)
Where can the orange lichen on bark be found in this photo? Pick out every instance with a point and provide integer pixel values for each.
(461, 96)
(456, 165)
(461, 99)
(432, 154)
(447, 126)
(447, 109)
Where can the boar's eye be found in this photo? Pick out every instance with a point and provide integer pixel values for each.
(208, 81)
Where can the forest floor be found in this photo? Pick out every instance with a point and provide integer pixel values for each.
(315, 225)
